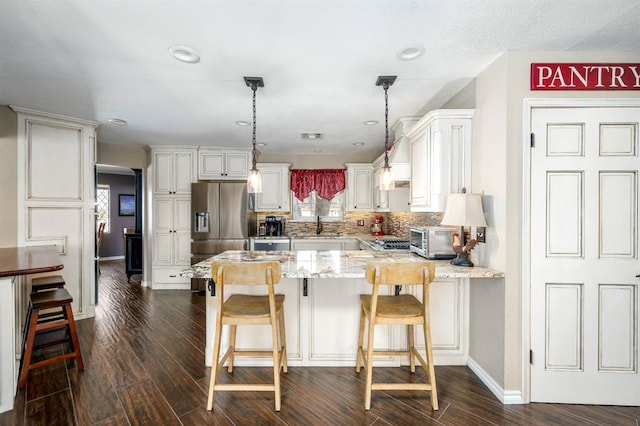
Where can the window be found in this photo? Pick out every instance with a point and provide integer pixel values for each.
(314, 206)
(103, 206)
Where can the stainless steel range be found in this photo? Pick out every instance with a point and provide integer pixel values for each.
(392, 243)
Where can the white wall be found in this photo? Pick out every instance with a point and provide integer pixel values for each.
(8, 177)
(497, 171)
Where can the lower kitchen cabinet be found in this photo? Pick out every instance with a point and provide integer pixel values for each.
(325, 244)
(322, 316)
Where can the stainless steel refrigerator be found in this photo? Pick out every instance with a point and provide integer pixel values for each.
(220, 220)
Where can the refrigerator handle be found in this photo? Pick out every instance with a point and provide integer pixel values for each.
(201, 222)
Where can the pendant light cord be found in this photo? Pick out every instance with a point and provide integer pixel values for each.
(386, 125)
(253, 152)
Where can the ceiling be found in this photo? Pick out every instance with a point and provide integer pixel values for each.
(102, 59)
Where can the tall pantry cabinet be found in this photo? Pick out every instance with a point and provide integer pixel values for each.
(56, 202)
(171, 173)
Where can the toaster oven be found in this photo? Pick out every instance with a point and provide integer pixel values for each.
(432, 242)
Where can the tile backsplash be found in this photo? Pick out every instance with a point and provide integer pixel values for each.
(395, 224)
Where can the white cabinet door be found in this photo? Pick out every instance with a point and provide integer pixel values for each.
(316, 244)
(448, 307)
(162, 248)
(350, 244)
(210, 165)
(275, 188)
(183, 172)
(163, 214)
(380, 198)
(172, 172)
(440, 158)
(221, 164)
(359, 187)
(237, 165)
(420, 169)
(162, 172)
(334, 310)
(172, 231)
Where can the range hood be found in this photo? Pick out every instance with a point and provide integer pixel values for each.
(400, 153)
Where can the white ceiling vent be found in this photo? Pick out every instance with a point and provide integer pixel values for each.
(311, 135)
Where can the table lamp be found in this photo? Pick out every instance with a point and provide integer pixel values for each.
(463, 210)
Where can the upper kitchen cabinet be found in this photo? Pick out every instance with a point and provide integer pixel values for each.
(440, 158)
(173, 171)
(275, 195)
(359, 187)
(216, 164)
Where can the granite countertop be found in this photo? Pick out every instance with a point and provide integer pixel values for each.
(333, 263)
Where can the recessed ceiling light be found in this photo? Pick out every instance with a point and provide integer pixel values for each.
(370, 122)
(311, 135)
(261, 143)
(358, 144)
(118, 121)
(184, 54)
(242, 123)
(410, 53)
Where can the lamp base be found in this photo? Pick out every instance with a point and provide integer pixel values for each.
(462, 260)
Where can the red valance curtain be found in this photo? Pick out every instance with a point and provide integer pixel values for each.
(326, 182)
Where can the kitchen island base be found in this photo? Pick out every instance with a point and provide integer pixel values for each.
(322, 319)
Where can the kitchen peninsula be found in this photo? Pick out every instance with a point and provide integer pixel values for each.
(322, 308)
(15, 263)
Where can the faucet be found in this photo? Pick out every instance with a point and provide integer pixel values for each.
(318, 226)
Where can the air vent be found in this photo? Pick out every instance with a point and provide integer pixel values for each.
(311, 135)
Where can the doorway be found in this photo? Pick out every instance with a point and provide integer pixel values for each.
(119, 207)
(583, 245)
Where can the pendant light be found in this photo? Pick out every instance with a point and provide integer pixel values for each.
(254, 183)
(386, 180)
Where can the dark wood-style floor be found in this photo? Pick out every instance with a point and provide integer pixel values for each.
(143, 355)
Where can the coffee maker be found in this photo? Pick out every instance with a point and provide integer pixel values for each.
(274, 226)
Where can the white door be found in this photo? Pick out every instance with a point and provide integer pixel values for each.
(584, 255)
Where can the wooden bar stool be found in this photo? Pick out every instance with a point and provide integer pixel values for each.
(245, 309)
(41, 323)
(400, 309)
(47, 283)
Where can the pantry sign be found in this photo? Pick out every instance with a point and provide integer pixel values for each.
(568, 76)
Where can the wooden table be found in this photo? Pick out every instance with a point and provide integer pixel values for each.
(16, 262)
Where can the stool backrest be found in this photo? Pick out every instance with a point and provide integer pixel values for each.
(400, 273)
(246, 273)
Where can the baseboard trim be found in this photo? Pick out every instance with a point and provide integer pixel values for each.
(507, 397)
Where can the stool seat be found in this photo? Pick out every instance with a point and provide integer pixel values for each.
(40, 321)
(47, 283)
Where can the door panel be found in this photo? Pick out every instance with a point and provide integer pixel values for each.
(584, 255)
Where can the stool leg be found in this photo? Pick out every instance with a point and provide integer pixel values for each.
(74, 336)
(283, 340)
(26, 357)
(276, 362)
(359, 360)
(369, 366)
(432, 371)
(214, 363)
(411, 346)
(232, 347)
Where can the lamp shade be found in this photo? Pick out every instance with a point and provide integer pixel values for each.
(464, 210)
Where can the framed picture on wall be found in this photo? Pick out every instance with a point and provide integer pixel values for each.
(126, 205)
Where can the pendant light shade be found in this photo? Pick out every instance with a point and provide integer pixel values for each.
(386, 179)
(254, 182)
